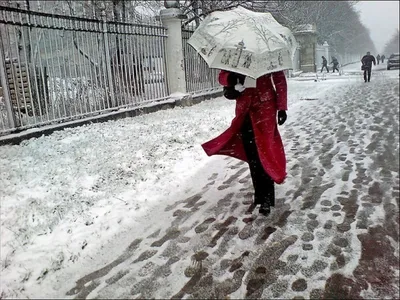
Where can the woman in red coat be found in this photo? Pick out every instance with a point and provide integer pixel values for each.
(253, 135)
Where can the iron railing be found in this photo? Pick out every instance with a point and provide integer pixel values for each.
(57, 68)
(199, 77)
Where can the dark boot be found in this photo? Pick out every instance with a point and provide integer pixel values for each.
(268, 194)
(265, 209)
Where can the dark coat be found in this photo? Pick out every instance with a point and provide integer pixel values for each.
(261, 104)
(334, 61)
(324, 61)
(367, 60)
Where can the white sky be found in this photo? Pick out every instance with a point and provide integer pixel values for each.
(381, 18)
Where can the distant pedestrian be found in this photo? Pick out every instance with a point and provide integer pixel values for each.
(367, 61)
(378, 59)
(324, 64)
(383, 58)
(335, 63)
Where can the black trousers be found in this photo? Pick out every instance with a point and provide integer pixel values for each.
(324, 66)
(367, 72)
(335, 67)
(264, 189)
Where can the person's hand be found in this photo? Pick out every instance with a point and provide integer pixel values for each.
(234, 78)
(239, 87)
(230, 93)
(281, 117)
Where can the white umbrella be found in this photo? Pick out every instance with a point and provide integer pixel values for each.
(245, 42)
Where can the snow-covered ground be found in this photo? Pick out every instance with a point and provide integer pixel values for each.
(72, 201)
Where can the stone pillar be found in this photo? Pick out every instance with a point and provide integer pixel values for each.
(326, 47)
(171, 18)
(306, 36)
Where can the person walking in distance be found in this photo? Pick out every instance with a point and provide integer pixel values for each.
(253, 136)
(335, 64)
(367, 61)
(324, 64)
(378, 59)
(383, 58)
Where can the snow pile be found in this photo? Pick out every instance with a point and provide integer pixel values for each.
(63, 192)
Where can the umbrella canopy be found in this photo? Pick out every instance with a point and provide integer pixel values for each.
(243, 41)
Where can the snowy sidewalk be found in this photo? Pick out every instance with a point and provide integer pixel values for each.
(333, 234)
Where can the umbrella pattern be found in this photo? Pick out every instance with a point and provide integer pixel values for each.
(244, 41)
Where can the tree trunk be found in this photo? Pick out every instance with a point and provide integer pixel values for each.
(195, 7)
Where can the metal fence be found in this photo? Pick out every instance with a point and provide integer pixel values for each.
(199, 77)
(343, 58)
(347, 58)
(57, 68)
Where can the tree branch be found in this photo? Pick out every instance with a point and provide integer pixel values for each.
(75, 40)
(207, 13)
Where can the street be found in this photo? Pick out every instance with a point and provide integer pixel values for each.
(333, 236)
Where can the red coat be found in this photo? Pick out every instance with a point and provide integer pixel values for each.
(262, 103)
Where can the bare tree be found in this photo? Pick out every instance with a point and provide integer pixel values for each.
(337, 22)
(135, 11)
(196, 10)
(76, 45)
(393, 45)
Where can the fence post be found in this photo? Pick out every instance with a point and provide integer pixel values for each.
(176, 78)
(108, 60)
(4, 83)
